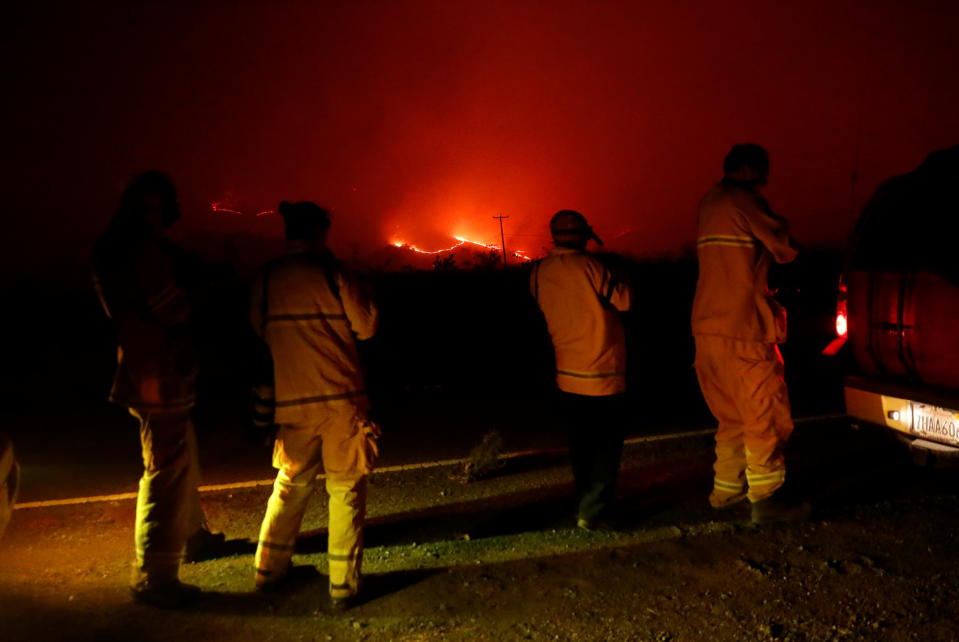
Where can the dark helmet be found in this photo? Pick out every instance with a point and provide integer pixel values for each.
(746, 155)
(571, 227)
(142, 186)
(304, 219)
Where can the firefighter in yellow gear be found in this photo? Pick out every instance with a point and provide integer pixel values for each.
(582, 299)
(136, 275)
(311, 312)
(737, 326)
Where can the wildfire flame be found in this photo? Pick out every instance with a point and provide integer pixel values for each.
(219, 207)
(460, 242)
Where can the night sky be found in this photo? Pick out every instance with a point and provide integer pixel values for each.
(415, 121)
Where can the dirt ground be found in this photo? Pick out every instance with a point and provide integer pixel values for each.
(499, 559)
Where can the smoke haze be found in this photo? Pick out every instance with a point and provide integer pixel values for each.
(417, 121)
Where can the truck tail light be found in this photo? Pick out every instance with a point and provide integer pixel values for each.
(842, 320)
(842, 323)
(842, 312)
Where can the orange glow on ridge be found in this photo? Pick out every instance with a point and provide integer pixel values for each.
(460, 242)
(218, 207)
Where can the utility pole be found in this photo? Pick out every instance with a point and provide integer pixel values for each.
(502, 237)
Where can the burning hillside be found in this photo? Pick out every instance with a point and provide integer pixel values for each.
(460, 253)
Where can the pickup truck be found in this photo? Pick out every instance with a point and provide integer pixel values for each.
(898, 310)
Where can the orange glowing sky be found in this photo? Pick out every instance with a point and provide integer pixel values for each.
(420, 121)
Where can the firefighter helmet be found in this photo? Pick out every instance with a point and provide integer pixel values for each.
(304, 220)
(571, 227)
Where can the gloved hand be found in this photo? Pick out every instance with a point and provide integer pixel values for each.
(364, 448)
(261, 426)
(260, 434)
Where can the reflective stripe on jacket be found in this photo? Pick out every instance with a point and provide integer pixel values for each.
(315, 312)
(581, 300)
(739, 237)
(135, 278)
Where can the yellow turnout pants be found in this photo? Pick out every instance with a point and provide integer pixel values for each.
(298, 454)
(742, 382)
(168, 504)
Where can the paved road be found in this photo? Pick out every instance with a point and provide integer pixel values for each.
(94, 449)
(499, 559)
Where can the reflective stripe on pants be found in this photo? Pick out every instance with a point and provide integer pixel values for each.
(347, 513)
(742, 382)
(298, 454)
(168, 504)
(281, 524)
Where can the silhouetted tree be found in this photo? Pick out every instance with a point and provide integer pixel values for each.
(487, 260)
(444, 264)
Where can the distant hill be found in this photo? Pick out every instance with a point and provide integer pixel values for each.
(464, 255)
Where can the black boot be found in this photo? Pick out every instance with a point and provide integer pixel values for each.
(204, 545)
(173, 594)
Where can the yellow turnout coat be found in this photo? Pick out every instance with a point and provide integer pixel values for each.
(581, 300)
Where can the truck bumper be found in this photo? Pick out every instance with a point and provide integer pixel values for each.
(893, 406)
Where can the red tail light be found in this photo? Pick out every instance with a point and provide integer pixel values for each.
(842, 314)
(842, 324)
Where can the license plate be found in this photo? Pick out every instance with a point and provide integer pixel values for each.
(937, 424)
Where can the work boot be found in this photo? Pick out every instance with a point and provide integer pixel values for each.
(341, 601)
(775, 509)
(726, 501)
(204, 545)
(291, 578)
(171, 594)
(343, 604)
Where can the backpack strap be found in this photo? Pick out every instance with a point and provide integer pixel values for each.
(331, 268)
